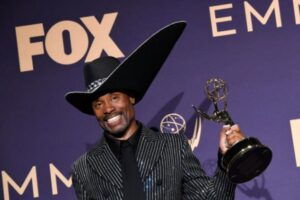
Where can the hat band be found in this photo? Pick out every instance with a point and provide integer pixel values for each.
(95, 84)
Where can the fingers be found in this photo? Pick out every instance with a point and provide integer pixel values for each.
(232, 135)
(233, 138)
(223, 139)
(230, 129)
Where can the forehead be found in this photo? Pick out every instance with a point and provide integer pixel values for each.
(108, 94)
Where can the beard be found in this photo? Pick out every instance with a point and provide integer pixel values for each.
(116, 125)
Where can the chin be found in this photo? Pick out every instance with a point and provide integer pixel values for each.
(117, 132)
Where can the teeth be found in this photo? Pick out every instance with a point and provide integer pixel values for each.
(113, 119)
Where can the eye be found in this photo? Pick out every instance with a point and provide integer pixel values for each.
(97, 104)
(114, 97)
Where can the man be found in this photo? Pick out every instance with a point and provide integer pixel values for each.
(134, 162)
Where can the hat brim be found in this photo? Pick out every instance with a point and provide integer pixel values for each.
(136, 73)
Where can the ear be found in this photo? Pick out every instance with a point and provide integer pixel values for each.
(132, 100)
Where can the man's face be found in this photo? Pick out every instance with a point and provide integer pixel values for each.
(115, 113)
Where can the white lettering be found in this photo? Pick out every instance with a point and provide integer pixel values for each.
(295, 129)
(32, 176)
(249, 11)
(54, 172)
(27, 49)
(55, 45)
(102, 40)
(215, 20)
(78, 40)
(296, 4)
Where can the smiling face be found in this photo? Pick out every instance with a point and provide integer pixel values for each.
(115, 113)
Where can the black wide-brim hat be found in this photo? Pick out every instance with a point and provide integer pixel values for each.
(134, 75)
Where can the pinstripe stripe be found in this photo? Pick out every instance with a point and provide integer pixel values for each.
(106, 164)
(168, 169)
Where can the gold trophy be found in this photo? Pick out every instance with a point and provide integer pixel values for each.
(247, 158)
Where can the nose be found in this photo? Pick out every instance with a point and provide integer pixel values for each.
(108, 108)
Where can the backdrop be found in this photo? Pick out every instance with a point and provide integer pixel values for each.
(253, 45)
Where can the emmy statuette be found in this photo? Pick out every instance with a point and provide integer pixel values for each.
(247, 158)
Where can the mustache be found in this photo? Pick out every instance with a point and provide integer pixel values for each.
(111, 115)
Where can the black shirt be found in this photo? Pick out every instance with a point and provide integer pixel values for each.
(125, 151)
(115, 145)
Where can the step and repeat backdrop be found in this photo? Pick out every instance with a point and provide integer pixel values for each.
(253, 45)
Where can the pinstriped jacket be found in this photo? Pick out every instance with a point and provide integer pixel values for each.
(168, 168)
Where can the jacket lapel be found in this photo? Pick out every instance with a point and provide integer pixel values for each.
(149, 151)
(103, 161)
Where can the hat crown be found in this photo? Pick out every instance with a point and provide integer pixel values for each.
(99, 69)
(134, 75)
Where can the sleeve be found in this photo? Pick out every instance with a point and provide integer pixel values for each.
(197, 185)
(80, 191)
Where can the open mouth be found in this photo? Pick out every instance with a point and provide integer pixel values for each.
(113, 119)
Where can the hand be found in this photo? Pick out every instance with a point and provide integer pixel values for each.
(229, 136)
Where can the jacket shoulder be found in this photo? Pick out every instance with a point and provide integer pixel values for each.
(80, 163)
(171, 137)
